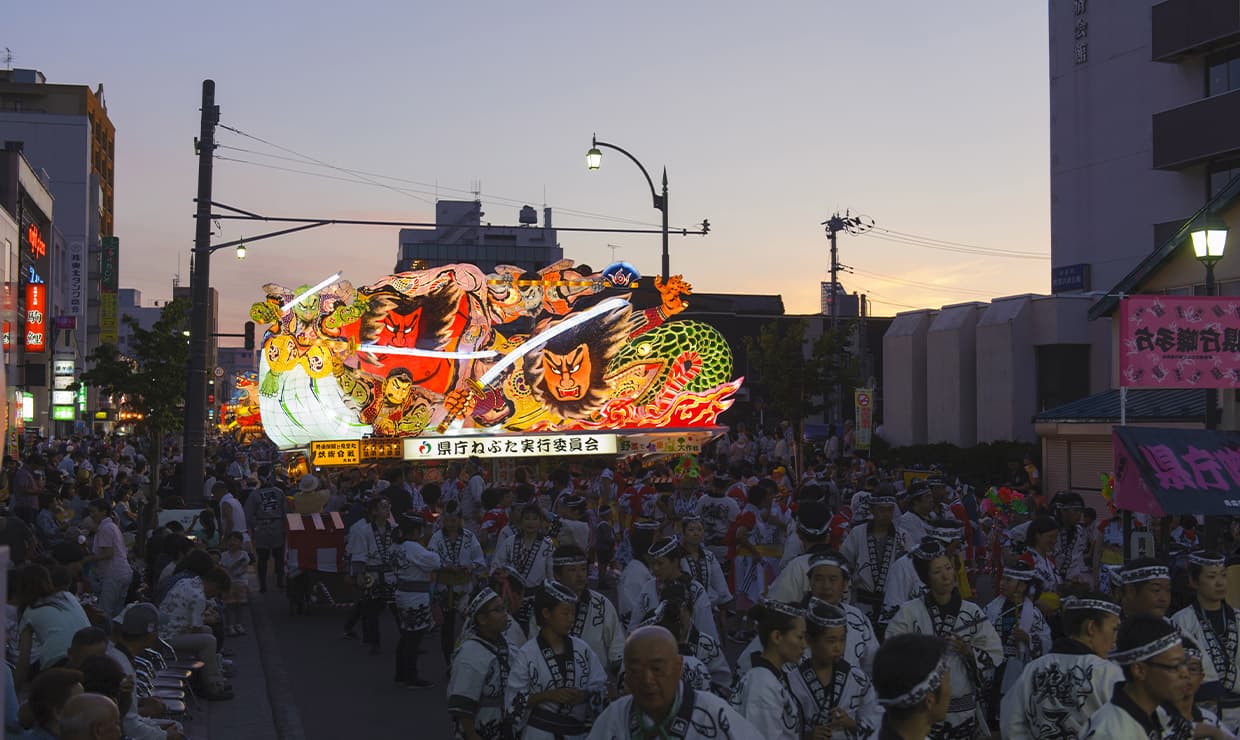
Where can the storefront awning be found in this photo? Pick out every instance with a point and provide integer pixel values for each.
(1177, 471)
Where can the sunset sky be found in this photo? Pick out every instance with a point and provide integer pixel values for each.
(930, 119)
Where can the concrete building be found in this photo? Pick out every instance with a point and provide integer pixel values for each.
(130, 304)
(64, 130)
(461, 236)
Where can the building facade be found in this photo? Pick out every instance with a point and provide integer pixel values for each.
(461, 236)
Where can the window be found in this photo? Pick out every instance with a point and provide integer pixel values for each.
(1223, 72)
(1221, 173)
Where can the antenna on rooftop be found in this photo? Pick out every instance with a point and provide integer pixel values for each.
(613, 248)
(7, 58)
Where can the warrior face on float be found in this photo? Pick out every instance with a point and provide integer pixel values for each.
(431, 321)
(567, 374)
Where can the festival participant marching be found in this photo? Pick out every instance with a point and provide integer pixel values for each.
(705, 651)
(912, 678)
(1151, 652)
(595, 620)
(914, 524)
(792, 583)
(1214, 626)
(1145, 588)
(413, 565)
(660, 704)
(837, 698)
(701, 564)
(1073, 542)
(1022, 628)
(763, 695)
(975, 647)
(1056, 694)
(871, 548)
(557, 685)
(370, 549)
(462, 561)
(664, 559)
(1188, 718)
(902, 581)
(635, 575)
(480, 672)
(753, 544)
(1040, 543)
(528, 554)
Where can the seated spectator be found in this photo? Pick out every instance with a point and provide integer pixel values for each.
(90, 717)
(183, 624)
(87, 642)
(104, 675)
(48, 529)
(48, 620)
(135, 632)
(49, 693)
(189, 561)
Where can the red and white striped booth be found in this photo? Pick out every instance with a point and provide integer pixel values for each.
(315, 542)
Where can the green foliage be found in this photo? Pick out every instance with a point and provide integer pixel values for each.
(792, 384)
(152, 380)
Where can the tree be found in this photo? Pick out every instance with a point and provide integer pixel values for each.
(151, 382)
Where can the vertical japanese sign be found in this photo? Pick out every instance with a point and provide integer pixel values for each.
(863, 400)
(1179, 342)
(109, 267)
(1177, 471)
(77, 291)
(36, 317)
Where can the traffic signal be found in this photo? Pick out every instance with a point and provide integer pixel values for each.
(210, 398)
(249, 335)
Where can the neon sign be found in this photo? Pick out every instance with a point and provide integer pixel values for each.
(36, 318)
(38, 247)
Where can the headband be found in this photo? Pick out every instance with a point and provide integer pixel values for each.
(814, 531)
(664, 548)
(882, 500)
(780, 607)
(572, 501)
(559, 592)
(1141, 575)
(825, 615)
(1206, 558)
(484, 597)
(566, 560)
(918, 693)
(945, 534)
(1076, 603)
(652, 526)
(1142, 653)
(828, 558)
(928, 551)
(1022, 573)
(689, 519)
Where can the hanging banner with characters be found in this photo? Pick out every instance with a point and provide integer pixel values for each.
(450, 350)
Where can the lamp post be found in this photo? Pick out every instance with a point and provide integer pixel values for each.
(594, 160)
(1209, 241)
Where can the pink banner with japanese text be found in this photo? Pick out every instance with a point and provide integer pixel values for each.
(1179, 341)
(1176, 471)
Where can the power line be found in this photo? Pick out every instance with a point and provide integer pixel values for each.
(895, 238)
(916, 284)
(949, 242)
(323, 175)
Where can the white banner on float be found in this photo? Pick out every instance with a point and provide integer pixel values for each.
(523, 445)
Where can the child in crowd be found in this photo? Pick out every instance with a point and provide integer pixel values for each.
(236, 561)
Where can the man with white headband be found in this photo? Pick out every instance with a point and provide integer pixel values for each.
(480, 671)
(833, 692)
(1151, 652)
(813, 532)
(1145, 588)
(871, 549)
(914, 524)
(1056, 694)
(596, 620)
(1215, 627)
(913, 683)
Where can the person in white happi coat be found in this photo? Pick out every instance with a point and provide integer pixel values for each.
(660, 705)
(828, 581)
(701, 564)
(1214, 626)
(1021, 626)
(1070, 550)
(480, 670)
(975, 647)
(595, 620)
(837, 699)
(635, 575)
(370, 546)
(1056, 694)
(1040, 542)
(1190, 719)
(1151, 652)
(912, 678)
(1145, 588)
(913, 526)
(814, 532)
(664, 558)
(902, 580)
(462, 560)
(557, 686)
(755, 550)
(414, 565)
(529, 556)
(871, 549)
(676, 614)
(763, 695)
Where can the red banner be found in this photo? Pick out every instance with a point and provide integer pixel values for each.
(1179, 341)
(36, 317)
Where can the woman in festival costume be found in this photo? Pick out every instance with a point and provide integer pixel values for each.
(1022, 628)
(836, 697)
(635, 575)
(664, 559)
(413, 565)
(753, 543)
(975, 647)
(1040, 541)
(912, 678)
(1215, 627)
(1055, 695)
(1151, 652)
(480, 671)
(461, 554)
(763, 695)
(528, 555)
(871, 549)
(557, 685)
(701, 563)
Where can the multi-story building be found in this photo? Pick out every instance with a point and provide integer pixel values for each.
(460, 236)
(65, 131)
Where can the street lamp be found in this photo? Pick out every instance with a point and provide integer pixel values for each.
(241, 251)
(1209, 241)
(594, 160)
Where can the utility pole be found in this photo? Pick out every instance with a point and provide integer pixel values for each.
(192, 470)
(836, 224)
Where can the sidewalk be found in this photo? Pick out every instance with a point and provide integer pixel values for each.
(258, 680)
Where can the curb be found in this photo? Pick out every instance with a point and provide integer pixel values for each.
(279, 691)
